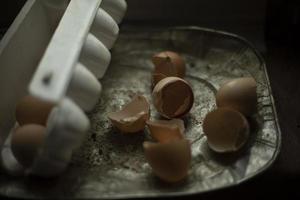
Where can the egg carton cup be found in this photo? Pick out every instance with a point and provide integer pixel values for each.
(58, 51)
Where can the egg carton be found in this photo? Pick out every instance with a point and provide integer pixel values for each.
(58, 51)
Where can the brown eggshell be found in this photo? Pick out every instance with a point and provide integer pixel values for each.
(239, 94)
(133, 116)
(166, 130)
(173, 97)
(168, 63)
(156, 77)
(26, 143)
(226, 130)
(169, 161)
(31, 110)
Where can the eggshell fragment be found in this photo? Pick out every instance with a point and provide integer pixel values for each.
(239, 94)
(173, 97)
(226, 130)
(32, 110)
(156, 77)
(132, 118)
(166, 130)
(169, 161)
(168, 64)
(26, 143)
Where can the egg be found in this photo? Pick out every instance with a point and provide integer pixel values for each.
(169, 161)
(227, 130)
(166, 130)
(32, 110)
(173, 97)
(26, 143)
(239, 94)
(167, 64)
(133, 116)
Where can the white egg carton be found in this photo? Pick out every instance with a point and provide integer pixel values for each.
(58, 51)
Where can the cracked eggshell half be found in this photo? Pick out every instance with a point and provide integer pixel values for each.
(226, 130)
(166, 130)
(173, 97)
(169, 161)
(133, 116)
(167, 64)
(239, 94)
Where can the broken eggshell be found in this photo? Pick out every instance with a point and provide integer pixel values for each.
(169, 161)
(166, 130)
(133, 116)
(156, 77)
(226, 130)
(167, 64)
(173, 97)
(239, 94)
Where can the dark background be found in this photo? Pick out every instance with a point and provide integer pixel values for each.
(273, 27)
